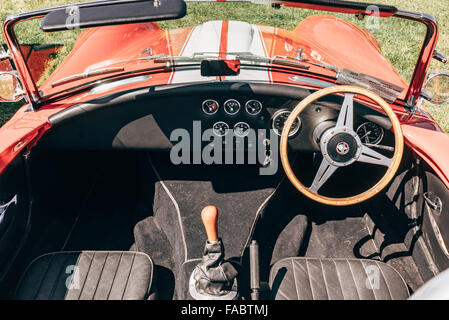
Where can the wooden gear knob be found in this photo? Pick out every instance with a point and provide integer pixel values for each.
(209, 215)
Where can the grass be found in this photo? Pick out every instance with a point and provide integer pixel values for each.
(399, 40)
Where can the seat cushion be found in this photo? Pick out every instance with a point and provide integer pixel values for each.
(335, 279)
(87, 275)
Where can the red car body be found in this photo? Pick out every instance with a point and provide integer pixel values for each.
(320, 35)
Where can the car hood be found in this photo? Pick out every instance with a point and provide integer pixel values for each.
(322, 39)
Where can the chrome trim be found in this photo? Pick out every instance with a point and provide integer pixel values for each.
(435, 203)
(19, 93)
(4, 207)
(276, 115)
(314, 82)
(438, 235)
(109, 86)
(86, 74)
(421, 17)
(425, 95)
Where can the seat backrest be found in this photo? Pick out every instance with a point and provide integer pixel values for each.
(436, 288)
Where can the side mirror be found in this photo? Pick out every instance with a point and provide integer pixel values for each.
(437, 88)
(10, 87)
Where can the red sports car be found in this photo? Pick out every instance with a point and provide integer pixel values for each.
(218, 151)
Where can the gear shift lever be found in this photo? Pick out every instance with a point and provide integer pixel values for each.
(213, 278)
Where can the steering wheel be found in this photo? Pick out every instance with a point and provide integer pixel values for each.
(341, 146)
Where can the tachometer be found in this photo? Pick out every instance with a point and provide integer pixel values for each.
(253, 107)
(370, 132)
(231, 106)
(220, 128)
(210, 106)
(241, 129)
(278, 121)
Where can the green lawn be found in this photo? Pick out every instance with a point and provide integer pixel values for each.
(398, 40)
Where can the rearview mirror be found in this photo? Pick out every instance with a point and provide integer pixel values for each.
(212, 68)
(437, 88)
(10, 88)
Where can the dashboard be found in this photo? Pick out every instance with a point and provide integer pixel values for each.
(148, 119)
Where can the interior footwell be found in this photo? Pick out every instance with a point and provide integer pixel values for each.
(180, 194)
(107, 218)
(347, 237)
(364, 232)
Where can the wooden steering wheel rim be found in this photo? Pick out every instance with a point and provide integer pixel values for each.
(381, 184)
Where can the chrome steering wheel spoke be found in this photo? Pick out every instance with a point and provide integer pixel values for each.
(346, 115)
(325, 171)
(368, 155)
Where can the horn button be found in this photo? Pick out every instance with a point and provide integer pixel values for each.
(340, 147)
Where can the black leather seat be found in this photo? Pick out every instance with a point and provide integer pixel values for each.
(335, 279)
(88, 275)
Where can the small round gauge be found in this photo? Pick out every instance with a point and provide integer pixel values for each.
(220, 128)
(210, 106)
(370, 132)
(253, 107)
(231, 106)
(278, 121)
(241, 129)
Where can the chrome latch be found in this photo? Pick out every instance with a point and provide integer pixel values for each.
(433, 201)
(4, 207)
(299, 54)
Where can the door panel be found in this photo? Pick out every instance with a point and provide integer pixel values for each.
(15, 220)
(436, 219)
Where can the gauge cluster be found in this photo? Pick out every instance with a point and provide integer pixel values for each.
(232, 107)
(235, 114)
(240, 115)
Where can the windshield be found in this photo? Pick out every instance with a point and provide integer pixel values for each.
(326, 42)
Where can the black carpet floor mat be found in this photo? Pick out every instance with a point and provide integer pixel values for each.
(344, 238)
(238, 192)
(153, 241)
(175, 237)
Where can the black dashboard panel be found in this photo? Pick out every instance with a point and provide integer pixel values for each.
(145, 119)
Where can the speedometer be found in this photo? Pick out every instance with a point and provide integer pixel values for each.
(278, 122)
(370, 132)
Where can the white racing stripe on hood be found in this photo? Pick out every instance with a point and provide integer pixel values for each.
(204, 38)
(242, 37)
